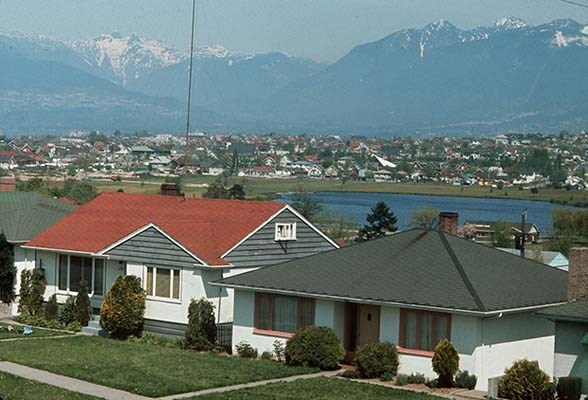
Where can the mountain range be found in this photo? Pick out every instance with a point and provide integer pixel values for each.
(509, 77)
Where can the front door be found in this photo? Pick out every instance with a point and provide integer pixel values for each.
(368, 329)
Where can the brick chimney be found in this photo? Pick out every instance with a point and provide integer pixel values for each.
(448, 222)
(578, 273)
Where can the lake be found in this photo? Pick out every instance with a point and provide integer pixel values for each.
(357, 205)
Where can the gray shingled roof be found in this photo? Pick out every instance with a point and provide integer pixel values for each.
(23, 215)
(573, 311)
(420, 268)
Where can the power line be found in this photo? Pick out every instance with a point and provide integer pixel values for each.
(575, 3)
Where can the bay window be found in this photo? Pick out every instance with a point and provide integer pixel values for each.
(422, 330)
(282, 313)
(163, 283)
(74, 269)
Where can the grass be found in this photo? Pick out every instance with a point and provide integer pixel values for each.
(37, 332)
(318, 389)
(140, 368)
(16, 388)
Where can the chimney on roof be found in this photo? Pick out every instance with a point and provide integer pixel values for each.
(448, 222)
(578, 273)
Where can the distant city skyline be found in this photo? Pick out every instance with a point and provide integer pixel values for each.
(323, 30)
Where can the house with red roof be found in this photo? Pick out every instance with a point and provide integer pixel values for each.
(175, 245)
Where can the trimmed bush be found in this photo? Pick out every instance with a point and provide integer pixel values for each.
(32, 289)
(67, 313)
(464, 380)
(83, 307)
(445, 363)
(266, 355)
(349, 374)
(412, 379)
(52, 309)
(316, 347)
(201, 332)
(524, 381)
(376, 359)
(123, 310)
(245, 350)
(569, 388)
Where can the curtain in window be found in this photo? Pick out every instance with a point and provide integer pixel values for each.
(426, 327)
(149, 282)
(176, 284)
(62, 272)
(305, 317)
(99, 277)
(285, 314)
(410, 330)
(162, 283)
(440, 329)
(75, 272)
(263, 312)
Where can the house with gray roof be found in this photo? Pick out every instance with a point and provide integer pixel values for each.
(23, 215)
(413, 289)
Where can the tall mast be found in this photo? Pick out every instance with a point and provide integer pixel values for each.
(187, 155)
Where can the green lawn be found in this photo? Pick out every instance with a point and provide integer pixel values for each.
(37, 332)
(318, 389)
(15, 388)
(144, 369)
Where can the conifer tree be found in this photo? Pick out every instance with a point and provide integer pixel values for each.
(381, 222)
(7, 271)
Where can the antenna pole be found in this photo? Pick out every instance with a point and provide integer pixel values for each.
(187, 155)
(523, 229)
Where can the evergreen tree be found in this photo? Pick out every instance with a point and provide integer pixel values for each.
(381, 222)
(201, 331)
(7, 271)
(83, 309)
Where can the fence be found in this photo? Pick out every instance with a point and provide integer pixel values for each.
(224, 336)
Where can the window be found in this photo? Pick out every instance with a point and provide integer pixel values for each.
(72, 270)
(282, 313)
(163, 283)
(285, 231)
(422, 330)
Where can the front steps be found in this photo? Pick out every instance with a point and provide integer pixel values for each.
(94, 327)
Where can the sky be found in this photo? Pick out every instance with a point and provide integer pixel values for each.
(323, 30)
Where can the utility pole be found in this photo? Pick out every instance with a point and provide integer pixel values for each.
(523, 229)
(187, 154)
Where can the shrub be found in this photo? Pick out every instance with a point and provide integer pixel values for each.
(375, 359)
(316, 347)
(53, 324)
(123, 310)
(67, 313)
(74, 326)
(445, 363)
(402, 380)
(279, 350)
(412, 379)
(349, 374)
(569, 388)
(32, 289)
(524, 381)
(201, 331)
(464, 380)
(266, 355)
(52, 309)
(83, 308)
(245, 350)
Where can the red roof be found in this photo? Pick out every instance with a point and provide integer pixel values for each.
(205, 227)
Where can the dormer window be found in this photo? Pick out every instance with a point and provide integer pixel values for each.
(285, 231)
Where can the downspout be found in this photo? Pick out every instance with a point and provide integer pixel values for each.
(220, 292)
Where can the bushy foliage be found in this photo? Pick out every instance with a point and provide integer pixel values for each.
(569, 388)
(445, 363)
(375, 359)
(245, 350)
(32, 289)
(266, 355)
(349, 374)
(466, 381)
(524, 381)
(52, 309)
(67, 312)
(279, 350)
(7, 271)
(123, 310)
(316, 347)
(83, 308)
(201, 331)
(412, 379)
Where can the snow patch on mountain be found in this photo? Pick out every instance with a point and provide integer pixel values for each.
(561, 40)
(510, 23)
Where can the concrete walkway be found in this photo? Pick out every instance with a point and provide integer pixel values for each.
(249, 385)
(71, 384)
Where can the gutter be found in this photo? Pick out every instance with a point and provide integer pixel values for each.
(386, 303)
(555, 318)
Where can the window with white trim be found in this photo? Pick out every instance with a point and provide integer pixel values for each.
(285, 231)
(74, 269)
(163, 283)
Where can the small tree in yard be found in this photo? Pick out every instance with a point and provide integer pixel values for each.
(7, 271)
(52, 309)
(123, 310)
(445, 363)
(32, 289)
(201, 331)
(381, 222)
(83, 308)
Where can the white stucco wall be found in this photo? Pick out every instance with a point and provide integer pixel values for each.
(23, 259)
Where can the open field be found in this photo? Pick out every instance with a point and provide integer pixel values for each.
(15, 388)
(140, 368)
(319, 389)
(261, 187)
